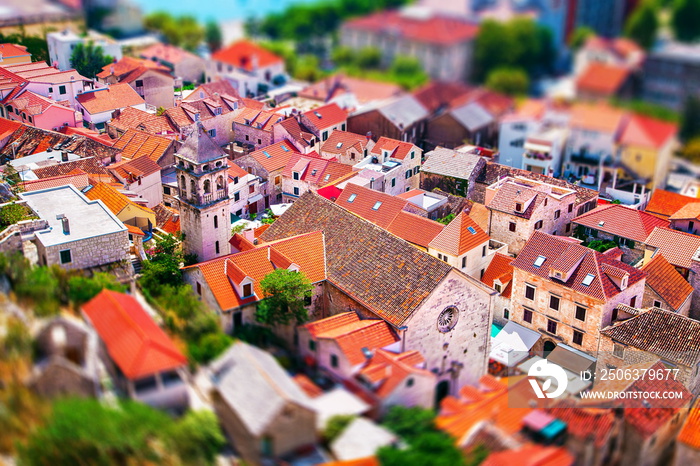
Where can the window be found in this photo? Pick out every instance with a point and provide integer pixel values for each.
(342, 127)
(538, 225)
(552, 326)
(251, 189)
(497, 287)
(50, 89)
(517, 142)
(278, 180)
(539, 261)
(393, 182)
(212, 132)
(657, 303)
(409, 382)
(511, 226)
(581, 313)
(65, 256)
(527, 315)
(216, 247)
(295, 175)
(145, 384)
(483, 251)
(554, 302)
(413, 154)
(557, 214)
(618, 350)
(545, 201)
(236, 196)
(247, 289)
(324, 136)
(571, 207)
(568, 228)
(578, 338)
(312, 345)
(216, 221)
(415, 170)
(296, 191)
(247, 138)
(62, 90)
(259, 141)
(408, 174)
(530, 292)
(334, 360)
(464, 261)
(506, 314)
(518, 207)
(139, 83)
(633, 301)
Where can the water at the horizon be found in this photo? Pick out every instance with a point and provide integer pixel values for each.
(219, 10)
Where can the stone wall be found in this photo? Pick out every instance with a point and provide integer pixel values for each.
(245, 134)
(89, 252)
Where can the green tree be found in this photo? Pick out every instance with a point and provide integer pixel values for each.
(11, 214)
(447, 219)
(88, 59)
(342, 56)
(41, 286)
(684, 19)
(209, 347)
(510, 81)
(196, 438)
(579, 37)
(284, 293)
(690, 120)
(336, 425)
(369, 58)
(183, 31)
(163, 264)
(408, 72)
(691, 151)
(213, 36)
(82, 289)
(643, 25)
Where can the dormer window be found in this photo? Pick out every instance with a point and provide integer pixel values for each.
(217, 111)
(247, 290)
(623, 283)
(295, 175)
(518, 207)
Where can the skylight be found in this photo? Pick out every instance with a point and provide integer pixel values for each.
(339, 145)
(318, 115)
(266, 154)
(539, 261)
(352, 197)
(377, 205)
(327, 177)
(601, 223)
(588, 279)
(285, 148)
(313, 172)
(471, 230)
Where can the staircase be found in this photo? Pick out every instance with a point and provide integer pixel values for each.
(135, 263)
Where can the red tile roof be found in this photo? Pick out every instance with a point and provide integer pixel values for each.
(364, 90)
(687, 212)
(531, 455)
(621, 221)
(8, 127)
(243, 54)
(279, 155)
(133, 118)
(326, 116)
(13, 50)
(397, 149)
(346, 141)
(690, 433)
(134, 341)
(644, 131)
(135, 144)
(553, 247)
(387, 370)
(168, 53)
(602, 79)
(132, 169)
(258, 119)
(134, 230)
(665, 203)
(364, 201)
(353, 334)
(236, 171)
(442, 30)
(597, 117)
(415, 229)
(460, 236)
(314, 169)
(108, 99)
(128, 69)
(439, 94)
(308, 386)
(77, 178)
(501, 270)
(664, 279)
(113, 199)
(307, 251)
(677, 247)
(585, 424)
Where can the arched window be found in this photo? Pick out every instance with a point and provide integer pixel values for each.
(193, 188)
(183, 185)
(216, 245)
(216, 221)
(220, 182)
(207, 186)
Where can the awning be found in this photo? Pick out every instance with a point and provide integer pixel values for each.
(254, 199)
(571, 359)
(512, 344)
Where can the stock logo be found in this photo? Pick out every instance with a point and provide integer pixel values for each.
(549, 371)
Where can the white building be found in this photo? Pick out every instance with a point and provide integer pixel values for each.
(61, 46)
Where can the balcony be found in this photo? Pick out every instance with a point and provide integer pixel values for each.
(215, 196)
(538, 155)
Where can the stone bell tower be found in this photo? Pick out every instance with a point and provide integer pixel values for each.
(202, 178)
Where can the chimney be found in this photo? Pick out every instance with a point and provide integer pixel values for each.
(64, 156)
(64, 223)
(111, 69)
(254, 61)
(371, 183)
(369, 135)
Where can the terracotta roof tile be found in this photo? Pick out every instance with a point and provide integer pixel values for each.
(326, 116)
(531, 455)
(436, 29)
(131, 169)
(274, 157)
(461, 235)
(14, 50)
(111, 98)
(644, 131)
(552, 247)
(307, 251)
(244, 53)
(384, 273)
(79, 180)
(128, 69)
(415, 229)
(687, 212)
(665, 280)
(364, 202)
(315, 170)
(133, 340)
(113, 199)
(397, 149)
(133, 118)
(340, 141)
(89, 165)
(167, 218)
(602, 79)
(438, 95)
(677, 247)
(501, 270)
(135, 144)
(299, 133)
(387, 370)
(665, 203)
(259, 119)
(585, 424)
(597, 117)
(364, 90)
(690, 433)
(621, 221)
(355, 335)
(168, 53)
(308, 386)
(134, 230)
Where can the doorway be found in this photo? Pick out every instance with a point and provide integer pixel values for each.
(441, 391)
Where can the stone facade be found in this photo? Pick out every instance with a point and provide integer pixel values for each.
(257, 137)
(598, 313)
(271, 181)
(653, 299)
(685, 454)
(694, 280)
(87, 253)
(652, 449)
